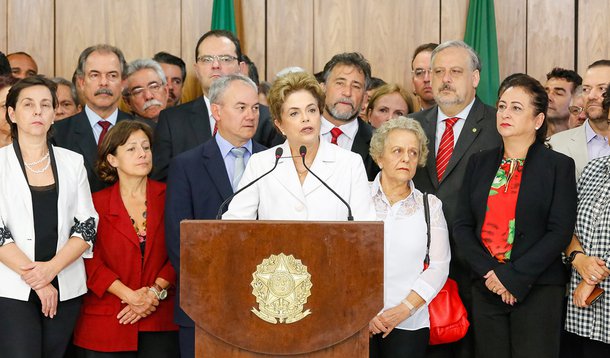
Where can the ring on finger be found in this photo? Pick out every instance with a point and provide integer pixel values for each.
(593, 278)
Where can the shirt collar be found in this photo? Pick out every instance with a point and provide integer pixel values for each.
(462, 115)
(589, 132)
(225, 146)
(349, 128)
(94, 117)
(377, 190)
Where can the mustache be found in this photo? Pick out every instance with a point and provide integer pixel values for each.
(152, 102)
(345, 100)
(446, 87)
(103, 91)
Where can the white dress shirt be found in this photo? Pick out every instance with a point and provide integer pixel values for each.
(345, 140)
(457, 127)
(94, 118)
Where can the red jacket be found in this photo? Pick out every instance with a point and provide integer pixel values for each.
(117, 255)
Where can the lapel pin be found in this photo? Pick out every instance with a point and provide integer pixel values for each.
(474, 130)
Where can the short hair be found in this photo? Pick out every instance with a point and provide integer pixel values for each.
(319, 76)
(102, 48)
(375, 83)
(429, 47)
(116, 137)
(386, 89)
(221, 33)
(5, 66)
(599, 63)
(13, 96)
(577, 93)
(287, 85)
(568, 75)
(538, 97)
(145, 64)
(219, 87)
(264, 87)
(164, 57)
(252, 70)
(381, 134)
(354, 59)
(475, 61)
(7, 80)
(606, 101)
(62, 81)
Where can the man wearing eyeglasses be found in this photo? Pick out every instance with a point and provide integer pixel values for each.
(146, 90)
(218, 53)
(560, 86)
(421, 76)
(590, 140)
(578, 116)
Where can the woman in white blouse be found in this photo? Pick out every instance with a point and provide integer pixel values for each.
(290, 192)
(402, 328)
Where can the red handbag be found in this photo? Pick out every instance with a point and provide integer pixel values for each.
(448, 316)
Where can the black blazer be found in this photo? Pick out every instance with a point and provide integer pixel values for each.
(75, 133)
(544, 219)
(196, 186)
(186, 126)
(361, 144)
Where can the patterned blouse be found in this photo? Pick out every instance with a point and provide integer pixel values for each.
(593, 231)
(498, 232)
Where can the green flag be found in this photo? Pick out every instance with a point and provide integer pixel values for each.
(481, 35)
(223, 16)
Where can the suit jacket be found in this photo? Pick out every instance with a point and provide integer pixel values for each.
(117, 256)
(186, 126)
(573, 143)
(362, 142)
(280, 195)
(75, 133)
(74, 212)
(196, 186)
(544, 219)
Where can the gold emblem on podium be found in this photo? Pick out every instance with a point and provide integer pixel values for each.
(281, 285)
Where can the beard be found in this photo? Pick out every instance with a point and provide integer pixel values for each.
(343, 116)
(448, 99)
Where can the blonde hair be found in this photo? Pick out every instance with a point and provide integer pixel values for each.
(288, 84)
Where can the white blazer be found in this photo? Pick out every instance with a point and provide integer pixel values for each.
(280, 195)
(572, 143)
(75, 211)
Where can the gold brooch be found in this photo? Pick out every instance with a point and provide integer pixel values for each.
(281, 285)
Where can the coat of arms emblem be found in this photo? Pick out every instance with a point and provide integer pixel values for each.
(281, 285)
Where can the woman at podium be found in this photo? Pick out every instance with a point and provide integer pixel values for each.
(402, 328)
(295, 189)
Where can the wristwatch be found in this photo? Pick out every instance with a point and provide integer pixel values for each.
(161, 293)
(573, 256)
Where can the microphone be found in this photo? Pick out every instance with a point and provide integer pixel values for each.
(303, 151)
(278, 154)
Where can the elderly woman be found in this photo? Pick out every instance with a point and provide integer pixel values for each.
(388, 101)
(130, 304)
(6, 81)
(47, 225)
(402, 328)
(589, 254)
(290, 192)
(518, 208)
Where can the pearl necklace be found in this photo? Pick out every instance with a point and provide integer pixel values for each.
(30, 165)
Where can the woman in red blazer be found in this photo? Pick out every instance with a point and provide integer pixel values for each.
(129, 306)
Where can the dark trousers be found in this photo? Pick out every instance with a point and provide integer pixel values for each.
(400, 343)
(528, 329)
(187, 342)
(26, 333)
(150, 345)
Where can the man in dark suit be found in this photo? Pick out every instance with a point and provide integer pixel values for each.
(218, 53)
(201, 178)
(100, 72)
(458, 126)
(346, 78)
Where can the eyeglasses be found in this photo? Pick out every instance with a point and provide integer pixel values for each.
(222, 59)
(153, 87)
(421, 73)
(575, 110)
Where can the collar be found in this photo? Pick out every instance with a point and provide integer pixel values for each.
(462, 115)
(349, 128)
(208, 105)
(94, 117)
(377, 190)
(590, 134)
(225, 147)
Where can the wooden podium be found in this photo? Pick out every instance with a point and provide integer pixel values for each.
(232, 269)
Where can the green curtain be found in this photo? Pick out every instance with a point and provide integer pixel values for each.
(223, 16)
(481, 35)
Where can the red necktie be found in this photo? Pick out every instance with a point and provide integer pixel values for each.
(445, 149)
(215, 130)
(105, 125)
(335, 132)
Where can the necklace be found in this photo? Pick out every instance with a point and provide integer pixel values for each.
(38, 161)
(30, 165)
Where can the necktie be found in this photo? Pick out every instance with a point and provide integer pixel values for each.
(335, 132)
(445, 149)
(239, 165)
(105, 125)
(215, 130)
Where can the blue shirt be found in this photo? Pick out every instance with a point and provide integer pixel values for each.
(228, 157)
(94, 118)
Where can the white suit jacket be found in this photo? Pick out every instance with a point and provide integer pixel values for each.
(280, 196)
(75, 211)
(573, 143)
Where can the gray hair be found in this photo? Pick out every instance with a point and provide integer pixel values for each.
(104, 48)
(65, 82)
(143, 64)
(409, 124)
(219, 87)
(475, 61)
